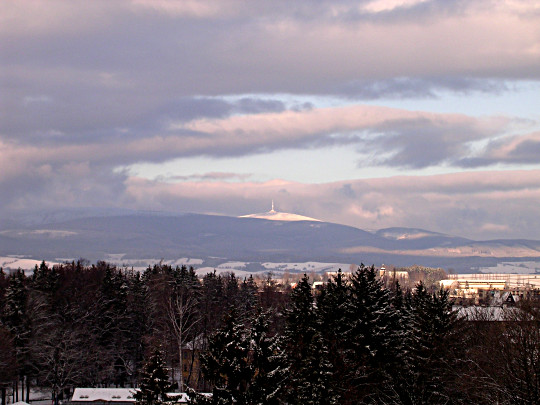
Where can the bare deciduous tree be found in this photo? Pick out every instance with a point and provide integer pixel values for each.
(183, 319)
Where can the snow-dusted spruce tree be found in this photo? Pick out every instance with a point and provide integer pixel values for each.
(139, 323)
(331, 303)
(154, 383)
(268, 364)
(432, 350)
(15, 309)
(310, 372)
(244, 364)
(112, 321)
(225, 365)
(8, 362)
(17, 319)
(372, 338)
(248, 297)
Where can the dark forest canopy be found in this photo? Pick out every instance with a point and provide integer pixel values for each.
(351, 341)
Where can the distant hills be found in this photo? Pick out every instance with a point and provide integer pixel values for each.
(97, 235)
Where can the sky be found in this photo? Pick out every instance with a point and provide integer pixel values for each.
(374, 114)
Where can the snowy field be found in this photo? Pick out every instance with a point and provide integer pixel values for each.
(513, 268)
(12, 263)
(243, 269)
(201, 271)
(315, 267)
(142, 264)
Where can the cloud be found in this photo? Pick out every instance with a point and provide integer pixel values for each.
(383, 136)
(262, 48)
(88, 68)
(396, 137)
(516, 149)
(416, 87)
(91, 87)
(212, 176)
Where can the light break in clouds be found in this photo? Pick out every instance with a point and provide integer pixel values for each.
(417, 113)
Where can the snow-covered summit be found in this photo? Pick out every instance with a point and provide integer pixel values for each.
(274, 215)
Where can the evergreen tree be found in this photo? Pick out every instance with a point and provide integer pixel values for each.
(138, 322)
(432, 349)
(268, 363)
(154, 381)
(17, 321)
(372, 338)
(310, 373)
(211, 303)
(3, 287)
(331, 305)
(8, 362)
(244, 364)
(15, 311)
(231, 291)
(112, 322)
(226, 363)
(248, 297)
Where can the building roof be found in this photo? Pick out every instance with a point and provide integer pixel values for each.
(477, 313)
(119, 395)
(181, 397)
(104, 394)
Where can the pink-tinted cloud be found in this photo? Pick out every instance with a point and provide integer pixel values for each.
(517, 149)
(375, 127)
(91, 87)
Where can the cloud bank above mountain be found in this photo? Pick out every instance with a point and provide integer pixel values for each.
(396, 113)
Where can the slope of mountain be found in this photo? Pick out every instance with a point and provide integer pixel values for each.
(189, 235)
(412, 238)
(145, 235)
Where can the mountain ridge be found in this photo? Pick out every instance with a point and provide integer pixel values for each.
(138, 234)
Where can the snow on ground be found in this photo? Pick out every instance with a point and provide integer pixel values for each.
(513, 268)
(316, 267)
(11, 263)
(240, 268)
(187, 262)
(232, 265)
(280, 216)
(142, 264)
(201, 271)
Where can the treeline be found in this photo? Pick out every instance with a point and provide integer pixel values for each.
(357, 342)
(353, 341)
(91, 325)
